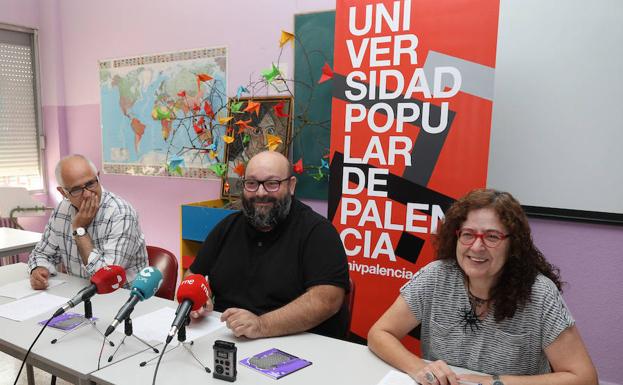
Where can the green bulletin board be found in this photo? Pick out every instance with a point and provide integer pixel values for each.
(312, 101)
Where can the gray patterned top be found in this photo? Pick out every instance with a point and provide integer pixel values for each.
(116, 234)
(437, 297)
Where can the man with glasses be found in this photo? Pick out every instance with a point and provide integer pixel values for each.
(277, 267)
(89, 229)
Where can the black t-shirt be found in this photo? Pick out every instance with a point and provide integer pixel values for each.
(262, 271)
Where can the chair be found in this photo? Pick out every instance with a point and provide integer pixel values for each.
(166, 262)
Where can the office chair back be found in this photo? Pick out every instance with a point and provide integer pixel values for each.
(166, 262)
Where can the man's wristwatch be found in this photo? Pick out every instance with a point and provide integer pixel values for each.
(496, 380)
(79, 232)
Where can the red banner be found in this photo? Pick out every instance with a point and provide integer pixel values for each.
(411, 118)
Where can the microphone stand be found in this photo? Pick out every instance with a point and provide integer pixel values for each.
(88, 320)
(181, 338)
(127, 333)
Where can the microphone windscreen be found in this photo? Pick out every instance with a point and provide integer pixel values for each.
(108, 279)
(195, 289)
(147, 282)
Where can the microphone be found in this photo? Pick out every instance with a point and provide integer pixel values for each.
(105, 280)
(192, 295)
(144, 286)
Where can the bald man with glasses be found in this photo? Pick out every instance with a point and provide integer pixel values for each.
(277, 267)
(90, 228)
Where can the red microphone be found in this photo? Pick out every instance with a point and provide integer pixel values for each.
(192, 295)
(104, 281)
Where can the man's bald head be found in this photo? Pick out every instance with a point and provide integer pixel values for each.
(272, 161)
(69, 166)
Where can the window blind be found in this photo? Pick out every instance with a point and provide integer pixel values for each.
(19, 148)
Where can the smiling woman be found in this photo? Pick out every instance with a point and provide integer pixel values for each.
(491, 303)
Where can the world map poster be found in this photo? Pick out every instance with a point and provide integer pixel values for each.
(163, 114)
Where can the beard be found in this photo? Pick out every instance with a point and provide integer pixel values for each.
(263, 217)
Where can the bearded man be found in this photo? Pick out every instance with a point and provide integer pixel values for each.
(277, 267)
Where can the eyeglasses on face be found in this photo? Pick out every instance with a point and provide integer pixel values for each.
(270, 185)
(77, 191)
(489, 238)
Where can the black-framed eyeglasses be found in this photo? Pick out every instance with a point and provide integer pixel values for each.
(77, 191)
(270, 185)
(489, 238)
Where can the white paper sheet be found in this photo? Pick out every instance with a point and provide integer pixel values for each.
(21, 289)
(155, 326)
(34, 305)
(394, 377)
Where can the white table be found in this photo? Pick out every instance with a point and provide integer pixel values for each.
(15, 241)
(76, 355)
(333, 362)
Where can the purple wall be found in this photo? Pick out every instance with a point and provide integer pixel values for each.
(74, 34)
(589, 258)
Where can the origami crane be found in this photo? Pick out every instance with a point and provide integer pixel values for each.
(285, 38)
(181, 94)
(228, 139)
(225, 120)
(324, 164)
(271, 74)
(279, 110)
(243, 125)
(273, 141)
(239, 169)
(240, 91)
(235, 107)
(318, 176)
(253, 107)
(219, 168)
(298, 166)
(327, 73)
(208, 110)
(202, 78)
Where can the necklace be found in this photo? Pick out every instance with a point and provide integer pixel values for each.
(476, 301)
(470, 318)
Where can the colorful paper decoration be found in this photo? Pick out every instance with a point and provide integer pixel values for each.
(181, 94)
(327, 73)
(324, 164)
(253, 107)
(273, 141)
(319, 175)
(298, 166)
(225, 120)
(279, 110)
(235, 107)
(241, 90)
(243, 125)
(228, 139)
(219, 168)
(202, 78)
(239, 169)
(285, 38)
(208, 110)
(271, 74)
